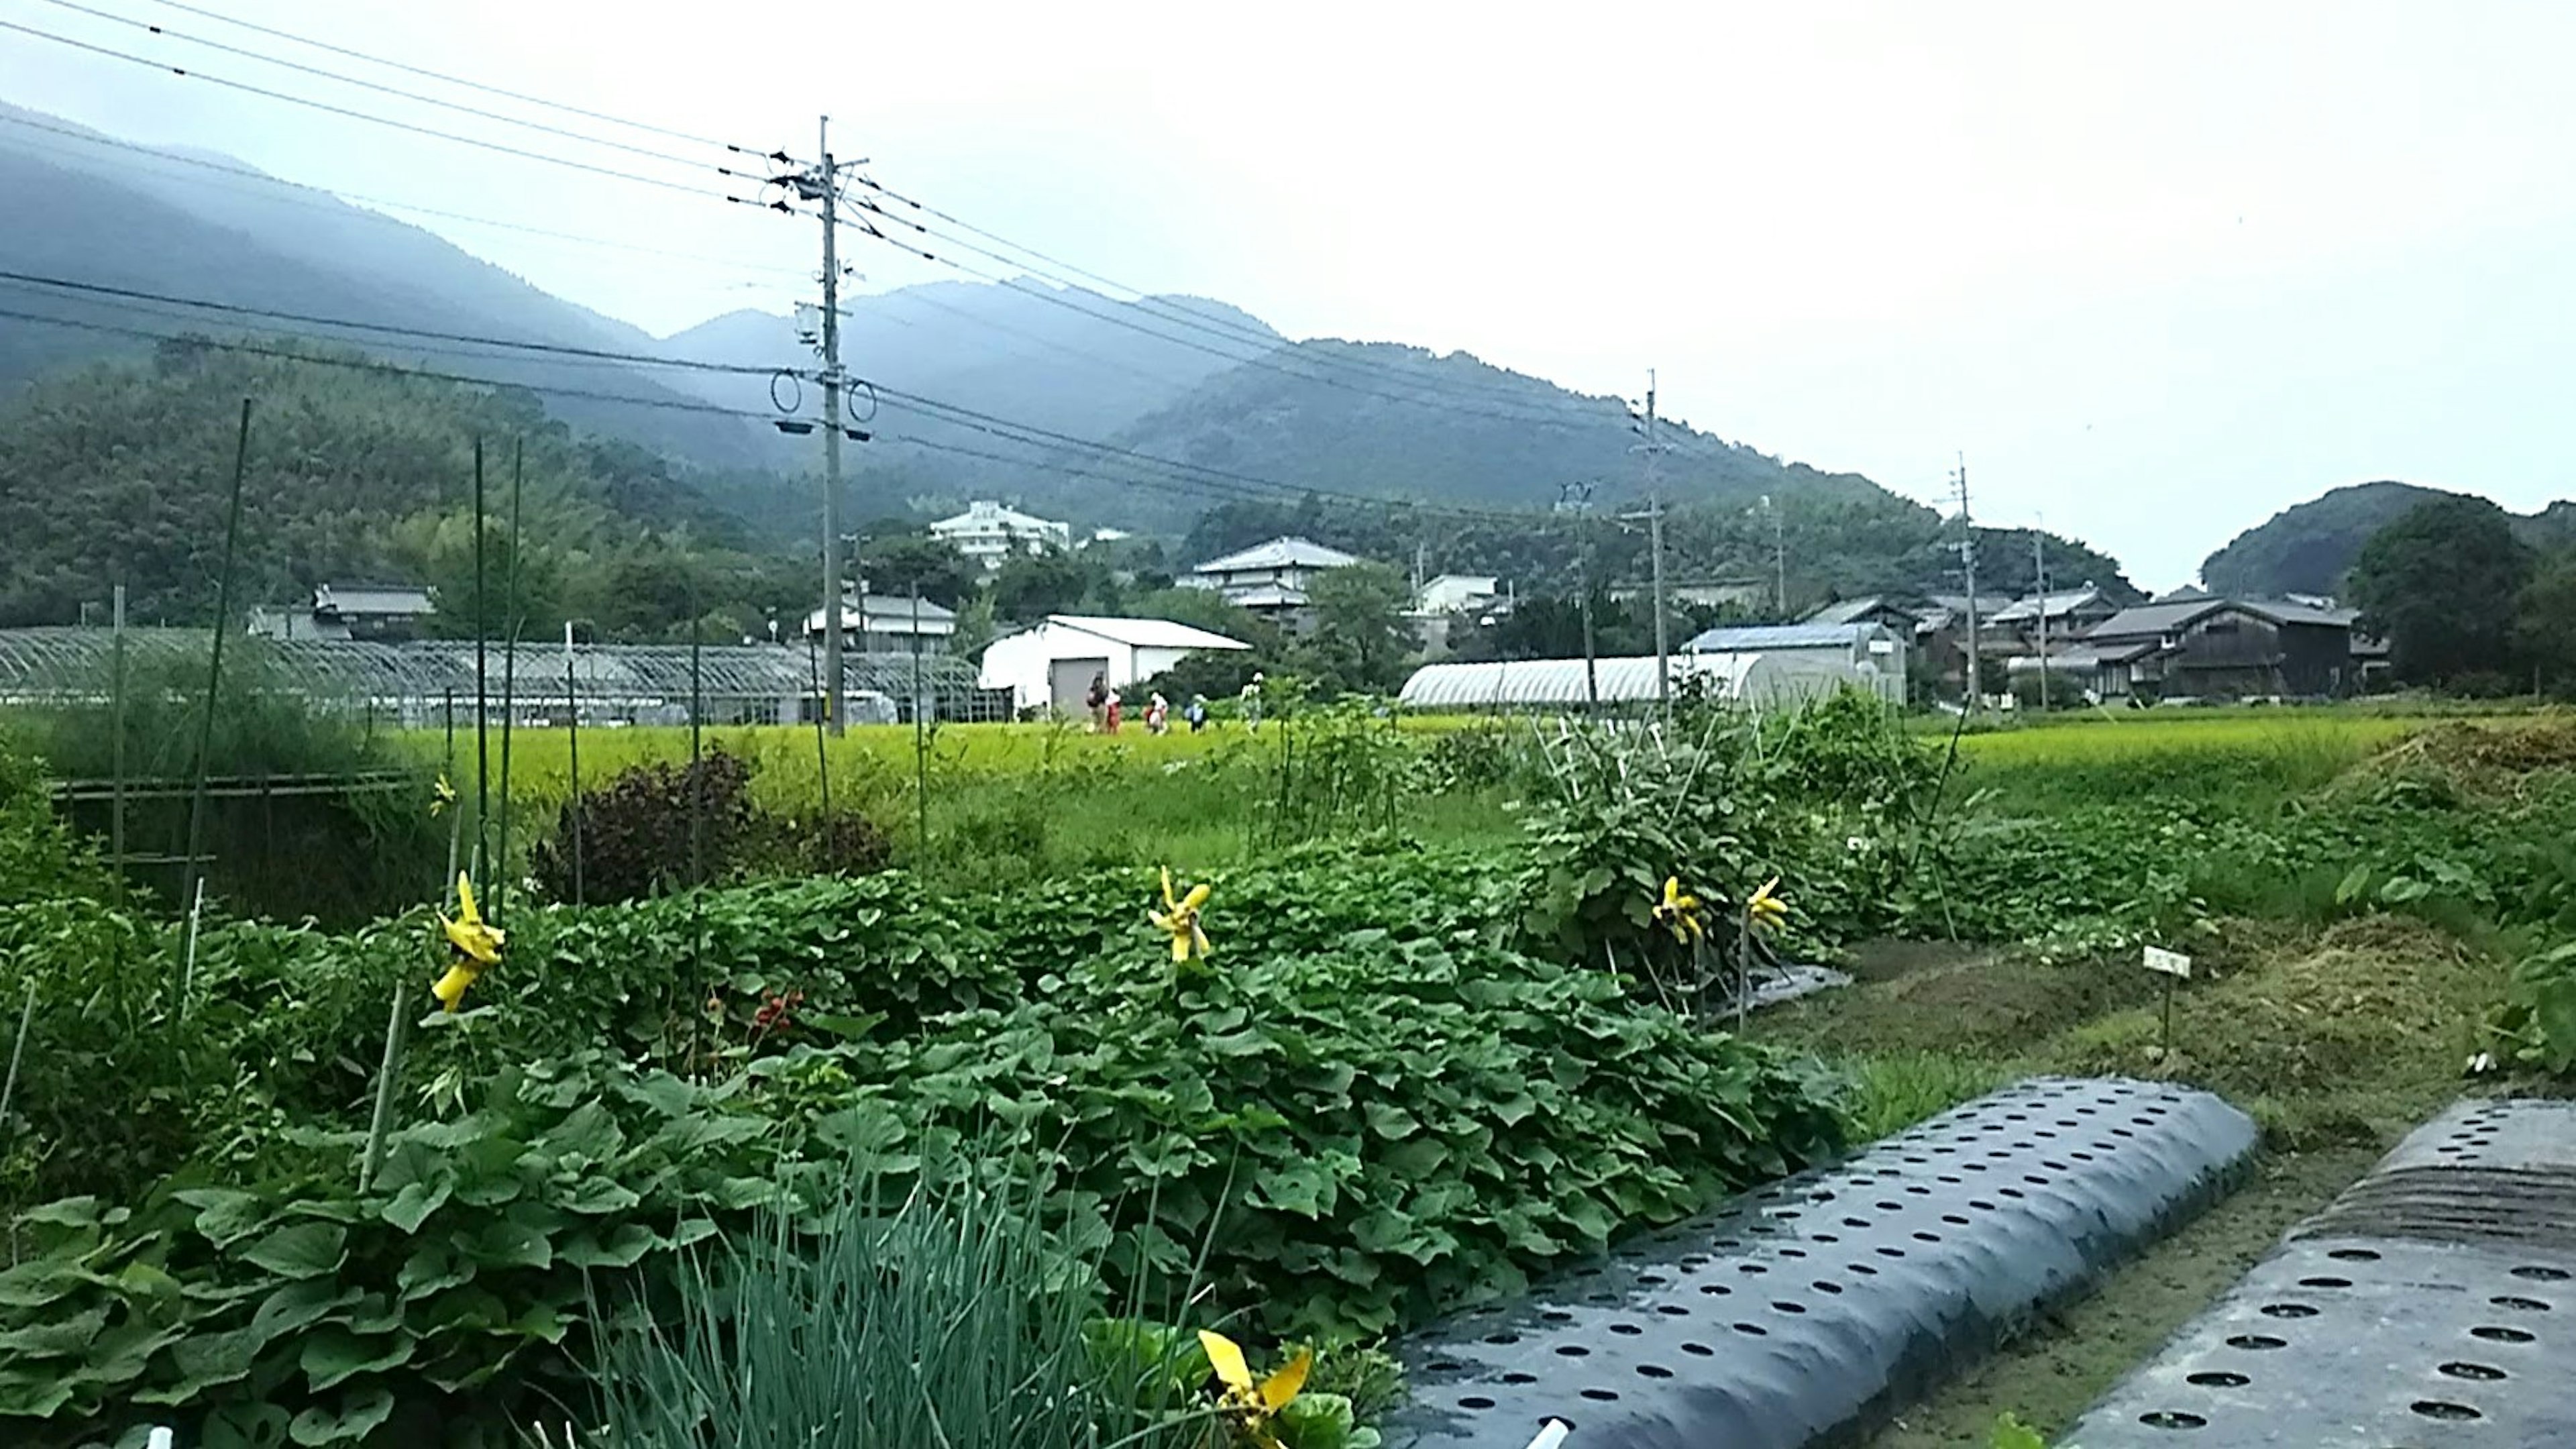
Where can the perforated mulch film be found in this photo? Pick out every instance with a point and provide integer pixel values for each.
(1824, 1303)
(2433, 1304)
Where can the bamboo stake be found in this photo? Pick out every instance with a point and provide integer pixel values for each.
(193, 885)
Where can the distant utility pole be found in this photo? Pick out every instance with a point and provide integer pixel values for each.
(1968, 564)
(821, 183)
(1652, 449)
(1576, 498)
(2039, 581)
(1779, 557)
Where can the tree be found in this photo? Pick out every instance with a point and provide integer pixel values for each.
(898, 564)
(2440, 585)
(1360, 640)
(2545, 622)
(1028, 587)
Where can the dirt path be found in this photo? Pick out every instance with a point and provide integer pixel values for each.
(2337, 1042)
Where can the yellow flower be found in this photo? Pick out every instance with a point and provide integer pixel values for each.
(1179, 919)
(1249, 1404)
(1679, 912)
(441, 795)
(478, 946)
(1764, 911)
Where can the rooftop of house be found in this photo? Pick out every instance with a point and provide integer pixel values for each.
(1754, 637)
(1279, 553)
(2051, 605)
(390, 599)
(1146, 633)
(983, 515)
(2168, 615)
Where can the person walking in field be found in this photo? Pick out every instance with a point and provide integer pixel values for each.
(1158, 715)
(1196, 714)
(1252, 704)
(1096, 698)
(1113, 711)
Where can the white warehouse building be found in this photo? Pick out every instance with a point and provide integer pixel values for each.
(1053, 664)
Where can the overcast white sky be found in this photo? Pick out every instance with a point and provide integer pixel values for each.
(2157, 271)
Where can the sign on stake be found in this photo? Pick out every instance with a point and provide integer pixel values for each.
(2173, 966)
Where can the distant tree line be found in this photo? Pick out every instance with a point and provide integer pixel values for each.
(2465, 604)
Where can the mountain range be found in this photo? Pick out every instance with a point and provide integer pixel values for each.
(1141, 413)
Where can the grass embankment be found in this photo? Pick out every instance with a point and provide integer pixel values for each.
(2337, 1035)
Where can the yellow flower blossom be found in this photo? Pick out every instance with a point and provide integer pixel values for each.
(441, 796)
(1764, 911)
(478, 946)
(1679, 912)
(1249, 1404)
(1179, 919)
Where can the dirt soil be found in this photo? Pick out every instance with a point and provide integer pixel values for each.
(2337, 1042)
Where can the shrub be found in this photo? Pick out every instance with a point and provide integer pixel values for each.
(652, 828)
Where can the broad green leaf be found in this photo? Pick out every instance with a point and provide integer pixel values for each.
(353, 1418)
(507, 1243)
(625, 1246)
(54, 1338)
(204, 1362)
(70, 1212)
(412, 1206)
(589, 1134)
(432, 1268)
(306, 1250)
(299, 1304)
(598, 1195)
(332, 1354)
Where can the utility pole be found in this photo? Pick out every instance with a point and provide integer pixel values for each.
(1654, 516)
(1779, 557)
(2039, 581)
(820, 183)
(1968, 564)
(1576, 498)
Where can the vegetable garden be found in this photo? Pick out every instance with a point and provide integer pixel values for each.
(1414, 1016)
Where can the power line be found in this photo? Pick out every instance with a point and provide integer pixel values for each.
(354, 114)
(1277, 346)
(640, 359)
(1164, 310)
(378, 86)
(330, 198)
(1230, 483)
(472, 85)
(387, 368)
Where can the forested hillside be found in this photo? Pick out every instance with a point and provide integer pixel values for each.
(118, 473)
(2309, 548)
(96, 212)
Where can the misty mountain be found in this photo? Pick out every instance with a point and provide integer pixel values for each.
(2307, 547)
(1060, 359)
(86, 208)
(1185, 379)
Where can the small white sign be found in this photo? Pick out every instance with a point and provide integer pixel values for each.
(2172, 963)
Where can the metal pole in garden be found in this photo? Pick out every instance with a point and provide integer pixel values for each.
(697, 776)
(920, 739)
(193, 885)
(500, 882)
(822, 754)
(482, 697)
(116, 728)
(572, 715)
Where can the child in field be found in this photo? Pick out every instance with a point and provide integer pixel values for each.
(1158, 715)
(1197, 713)
(1113, 711)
